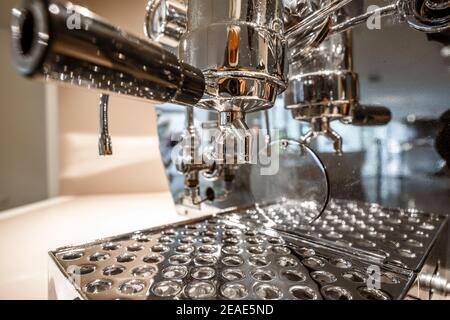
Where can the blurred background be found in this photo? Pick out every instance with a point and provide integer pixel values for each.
(48, 135)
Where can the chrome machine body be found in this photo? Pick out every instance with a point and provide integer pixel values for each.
(229, 63)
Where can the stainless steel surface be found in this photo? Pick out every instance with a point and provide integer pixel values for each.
(401, 238)
(97, 55)
(432, 280)
(348, 24)
(104, 142)
(231, 256)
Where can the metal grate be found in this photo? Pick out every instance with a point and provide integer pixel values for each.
(241, 256)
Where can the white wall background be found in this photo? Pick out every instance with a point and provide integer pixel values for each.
(49, 135)
(23, 174)
(136, 164)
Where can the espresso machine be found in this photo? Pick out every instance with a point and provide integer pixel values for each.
(262, 222)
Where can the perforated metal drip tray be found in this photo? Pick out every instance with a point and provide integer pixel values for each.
(237, 256)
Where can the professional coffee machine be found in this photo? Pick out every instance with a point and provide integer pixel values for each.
(263, 221)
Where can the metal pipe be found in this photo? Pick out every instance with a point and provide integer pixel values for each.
(355, 21)
(67, 43)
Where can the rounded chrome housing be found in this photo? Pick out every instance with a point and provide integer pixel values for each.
(66, 43)
(323, 84)
(330, 94)
(240, 47)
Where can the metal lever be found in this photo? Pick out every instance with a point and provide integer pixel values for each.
(104, 141)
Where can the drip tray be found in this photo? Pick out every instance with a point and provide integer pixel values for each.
(259, 253)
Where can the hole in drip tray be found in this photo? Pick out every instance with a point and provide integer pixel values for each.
(98, 286)
(111, 246)
(293, 275)
(126, 257)
(323, 277)
(232, 261)
(203, 273)
(208, 249)
(205, 260)
(175, 272)
(81, 270)
(185, 249)
(166, 289)
(341, 263)
(99, 256)
(144, 271)
(336, 293)
(153, 258)
(74, 255)
(354, 276)
(313, 262)
(258, 261)
(268, 292)
(179, 259)
(303, 293)
(233, 274)
(256, 250)
(287, 262)
(200, 290)
(234, 291)
(281, 250)
(231, 250)
(113, 270)
(263, 275)
(132, 287)
(373, 294)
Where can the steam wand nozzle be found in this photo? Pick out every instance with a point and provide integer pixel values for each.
(104, 142)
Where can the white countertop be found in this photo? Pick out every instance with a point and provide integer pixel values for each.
(28, 233)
